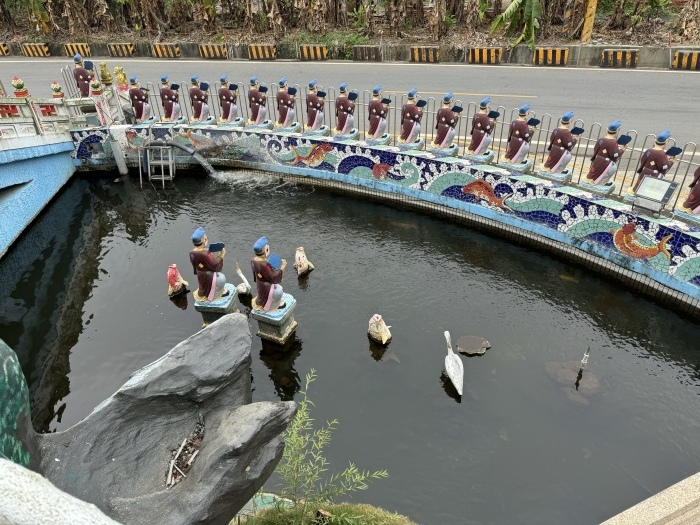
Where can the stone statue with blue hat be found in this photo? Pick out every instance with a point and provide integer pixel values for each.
(344, 111)
(519, 136)
(315, 105)
(654, 162)
(411, 116)
(606, 156)
(482, 128)
(228, 99)
(170, 99)
(561, 142)
(207, 262)
(286, 101)
(447, 119)
(82, 76)
(378, 110)
(139, 100)
(257, 100)
(268, 270)
(199, 100)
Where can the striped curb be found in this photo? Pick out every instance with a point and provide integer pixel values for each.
(165, 50)
(550, 56)
(36, 50)
(367, 53)
(262, 52)
(626, 58)
(429, 54)
(485, 55)
(309, 52)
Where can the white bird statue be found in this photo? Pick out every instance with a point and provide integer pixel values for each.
(243, 288)
(454, 366)
(378, 331)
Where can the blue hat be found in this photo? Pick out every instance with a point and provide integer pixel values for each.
(447, 97)
(614, 126)
(485, 102)
(377, 90)
(164, 79)
(223, 79)
(77, 58)
(198, 234)
(412, 93)
(524, 109)
(253, 80)
(282, 82)
(566, 117)
(662, 137)
(312, 83)
(195, 78)
(343, 87)
(260, 244)
(133, 79)
(275, 261)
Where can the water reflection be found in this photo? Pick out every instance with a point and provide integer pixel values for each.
(449, 387)
(280, 361)
(180, 300)
(382, 353)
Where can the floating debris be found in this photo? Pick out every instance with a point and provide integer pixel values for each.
(568, 278)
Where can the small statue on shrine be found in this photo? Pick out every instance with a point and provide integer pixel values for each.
(268, 270)
(139, 101)
(176, 284)
(228, 97)
(170, 99)
(344, 111)
(104, 75)
(257, 100)
(482, 128)
(606, 156)
(207, 262)
(314, 107)
(57, 90)
(411, 115)
(82, 76)
(285, 104)
(654, 162)
(199, 100)
(519, 137)
(122, 84)
(378, 110)
(561, 142)
(447, 119)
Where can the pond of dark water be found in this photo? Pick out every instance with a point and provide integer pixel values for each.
(83, 302)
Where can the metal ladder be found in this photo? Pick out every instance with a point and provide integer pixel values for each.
(160, 162)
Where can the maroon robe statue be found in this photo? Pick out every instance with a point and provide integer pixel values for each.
(518, 132)
(377, 112)
(481, 125)
(560, 142)
(227, 99)
(314, 104)
(82, 79)
(205, 266)
(139, 101)
(692, 203)
(654, 162)
(343, 108)
(410, 116)
(169, 98)
(256, 100)
(285, 102)
(446, 121)
(264, 276)
(606, 150)
(198, 98)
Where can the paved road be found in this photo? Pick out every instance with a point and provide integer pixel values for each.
(645, 100)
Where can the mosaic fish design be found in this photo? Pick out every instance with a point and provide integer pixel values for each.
(315, 157)
(625, 240)
(483, 191)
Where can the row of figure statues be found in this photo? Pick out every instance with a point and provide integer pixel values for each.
(608, 150)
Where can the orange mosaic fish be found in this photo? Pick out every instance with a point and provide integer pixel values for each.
(380, 170)
(482, 190)
(315, 156)
(625, 240)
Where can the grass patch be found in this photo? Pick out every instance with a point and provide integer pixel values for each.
(341, 514)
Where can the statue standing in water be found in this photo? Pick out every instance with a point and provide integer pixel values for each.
(519, 137)
(344, 111)
(411, 116)
(446, 123)
(314, 107)
(139, 101)
(606, 156)
(228, 97)
(561, 142)
(482, 127)
(285, 104)
(207, 267)
(257, 100)
(199, 100)
(654, 161)
(82, 76)
(378, 111)
(268, 270)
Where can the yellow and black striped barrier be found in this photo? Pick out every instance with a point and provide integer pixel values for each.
(686, 60)
(217, 51)
(424, 54)
(165, 50)
(485, 55)
(36, 50)
(311, 52)
(121, 50)
(79, 48)
(550, 56)
(367, 53)
(262, 52)
(4, 50)
(619, 58)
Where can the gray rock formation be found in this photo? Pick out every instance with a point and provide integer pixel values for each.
(118, 457)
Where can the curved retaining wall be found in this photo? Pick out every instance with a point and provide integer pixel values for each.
(659, 257)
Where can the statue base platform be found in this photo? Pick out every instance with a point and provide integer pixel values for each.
(267, 124)
(449, 151)
(213, 310)
(416, 145)
(237, 123)
(600, 189)
(323, 131)
(353, 134)
(562, 178)
(686, 216)
(294, 127)
(206, 122)
(277, 326)
(520, 167)
(486, 158)
(382, 140)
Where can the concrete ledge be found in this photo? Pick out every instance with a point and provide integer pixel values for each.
(485, 55)
(70, 50)
(261, 52)
(4, 50)
(36, 49)
(619, 58)
(121, 50)
(313, 52)
(689, 60)
(166, 50)
(424, 54)
(215, 51)
(367, 53)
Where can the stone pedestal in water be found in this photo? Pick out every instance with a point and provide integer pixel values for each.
(214, 310)
(278, 325)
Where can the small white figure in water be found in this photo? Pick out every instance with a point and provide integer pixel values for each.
(454, 366)
(244, 287)
(378, 331)
(176, 284)
(301, 263)
(584, 361)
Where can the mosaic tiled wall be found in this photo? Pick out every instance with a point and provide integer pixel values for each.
(665, 250)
